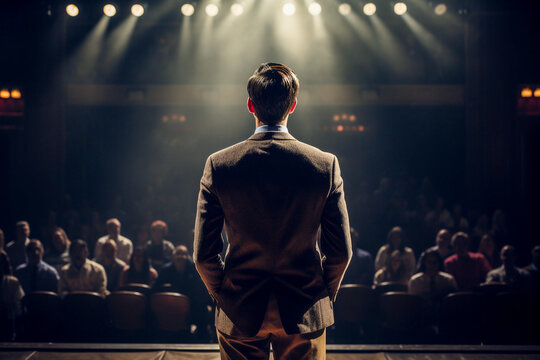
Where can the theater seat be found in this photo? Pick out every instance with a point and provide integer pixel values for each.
(356, 312)
(42, 316)
(170, 313)
(462, 318)
(85, 317)
(402, 317)
(127, 310)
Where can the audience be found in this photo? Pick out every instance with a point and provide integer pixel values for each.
(442, 247)
(16, 249)
(158, 249)
(58, 255)
(394, 270)
(11, 294)
(508, 273)
(361, 268)
(36, 275)
(487, 248)
(139, 271)
(123, 244)
(82, 274)
(431, 283)
(395, 241)
(112, 264)
(468, 268)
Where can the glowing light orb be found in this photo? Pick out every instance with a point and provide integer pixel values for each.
(109, 10)
(536, 93)
(526, 93)
(314, 8)
(72, 10)
(137, 10)
(370, 9)
(16, 94)
(187, 9)
(237, 9)
(400, 8)
(440, 9)
(4, 94)
(289, 9)
(344, 9)
(212, 10)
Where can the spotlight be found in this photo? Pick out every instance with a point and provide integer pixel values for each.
(16, 94)
(440, 9)
(526, 93)
(344, 9)
(72, 10)
(4, 94)
(237, 9)
(314, 8)
(187, 9)
(370, 9)
(212, 10)
(109, 10)
(536, 92)
(289, 9)
(137, 10)
(400, 8)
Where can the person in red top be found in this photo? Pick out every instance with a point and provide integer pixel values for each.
(468, 268)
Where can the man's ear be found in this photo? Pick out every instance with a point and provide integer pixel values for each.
(250, 106)
(293, 106)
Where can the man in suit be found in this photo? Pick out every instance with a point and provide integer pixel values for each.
(283, 207)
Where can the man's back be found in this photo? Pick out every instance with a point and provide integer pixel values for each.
(274, 192)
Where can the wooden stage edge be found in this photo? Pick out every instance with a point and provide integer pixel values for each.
(71, 351)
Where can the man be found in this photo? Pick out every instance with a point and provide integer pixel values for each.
(508, 272)
(469, 269)
(16, 250)
(442, 241)
(124, 245)
(36, 275)
(272, 193)
(533, 267)
(159, 250)
(82, 274)
(361, 268)
(112, 264)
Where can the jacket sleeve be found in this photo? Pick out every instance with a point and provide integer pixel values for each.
(208, 244)
(336, 236)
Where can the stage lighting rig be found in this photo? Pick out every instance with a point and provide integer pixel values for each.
(314, 8)
(370, 9)
(212, 10)
(187, 9)
(137, 10)
(344, 9)
(109, 10)
(289, 9)
(72, 10)
(237, 9)
(400, 8)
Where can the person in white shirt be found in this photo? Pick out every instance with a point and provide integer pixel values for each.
(395, 241)
(124, 245)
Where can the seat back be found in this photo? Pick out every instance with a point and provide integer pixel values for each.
(42, 316)
(85, 316)
(389, 286)
(127, 310)
(401, 311)
(140, 288)
(462, 317)
(170, 311)
(356, 304)
(493, 288)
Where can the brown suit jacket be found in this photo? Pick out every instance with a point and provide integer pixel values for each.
(272, 193)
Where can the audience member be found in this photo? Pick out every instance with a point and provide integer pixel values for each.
(16, 249)
(112, 264)
(361, 268)
(139, 270)
(11, 294)
(123, 244)
(394, 270)
(4, 259)
(179, 274)
(58, 255)
(468, 268)
(431, 283)
(36, 275)
(158, 249)
(508, 273)
(533, 267)
(442, 247)
(499, 229)
(439, 217)
(82, 274)
(459, 222)
(487, 248)
(481, 229)
(395, 241)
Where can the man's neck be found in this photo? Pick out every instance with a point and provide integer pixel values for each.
(259, 123)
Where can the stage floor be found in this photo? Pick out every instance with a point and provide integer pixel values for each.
(41, 351)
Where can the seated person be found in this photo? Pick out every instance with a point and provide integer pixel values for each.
(468, 268)
(139, 270)
(36, 275)
(112, 264)
(361, 268)
(487, 248)
(508, 273)
(16, 249)
(11, 294)
(158, 249)
(395, 241)
(431, 283)
(58, 255)
(394, 270)
(533, 267)
(82, 274)
(442, 246)
(123, 244)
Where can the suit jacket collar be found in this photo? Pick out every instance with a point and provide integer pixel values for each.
(271, 135)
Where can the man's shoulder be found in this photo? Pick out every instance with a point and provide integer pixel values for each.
(95, 266)
(451, 259)
(48, 268)
(124, 240)
(10, 245)
(497, 271)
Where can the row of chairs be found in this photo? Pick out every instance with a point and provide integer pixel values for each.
(368, 315)
(123, 316)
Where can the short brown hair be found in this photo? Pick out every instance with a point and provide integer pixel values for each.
(272, 90)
